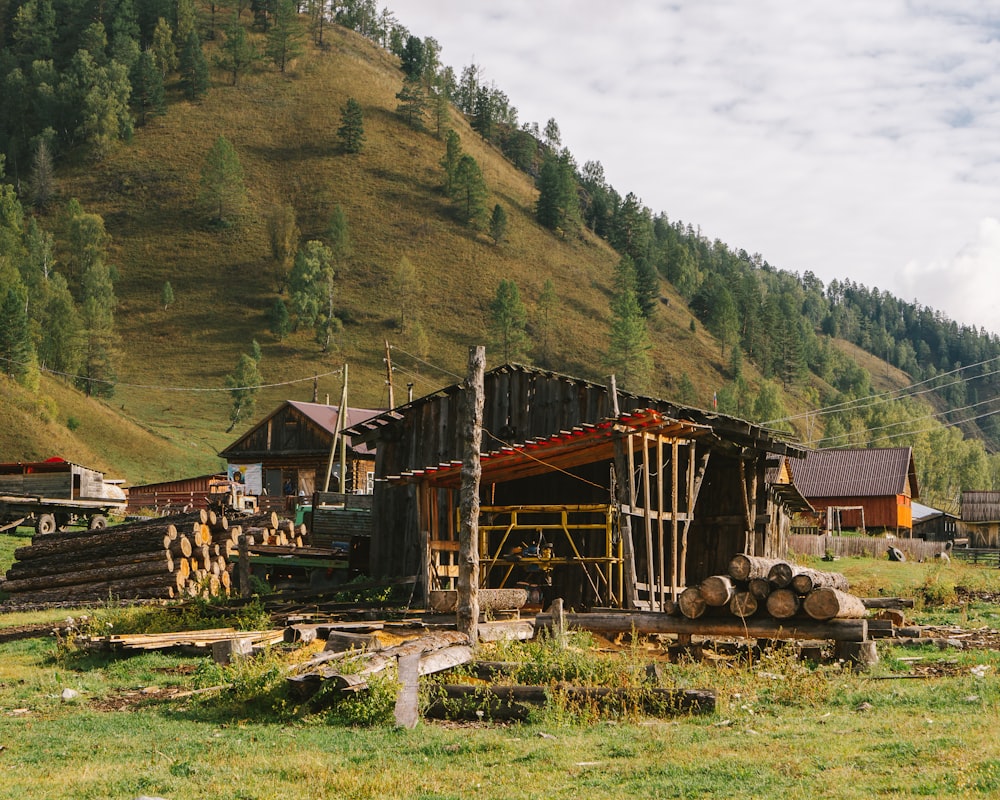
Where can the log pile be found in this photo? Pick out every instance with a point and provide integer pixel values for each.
(185, 555)
(773, 588)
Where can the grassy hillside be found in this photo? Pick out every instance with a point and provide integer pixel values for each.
(174, 361)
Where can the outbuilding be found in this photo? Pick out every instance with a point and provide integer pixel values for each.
(601, 497)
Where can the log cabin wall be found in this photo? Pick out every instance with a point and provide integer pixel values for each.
(522, 405)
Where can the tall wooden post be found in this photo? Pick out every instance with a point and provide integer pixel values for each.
(341, 427)
(468, 554)
(388, 374)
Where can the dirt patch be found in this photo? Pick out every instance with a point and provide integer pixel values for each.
(129, 699)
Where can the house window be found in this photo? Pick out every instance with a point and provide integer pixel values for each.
(369, 483)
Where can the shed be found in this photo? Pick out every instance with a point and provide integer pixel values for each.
(870, 489)
(606, 500)
(933, 524)
(172, 495)
(980, 520)
(295, 447)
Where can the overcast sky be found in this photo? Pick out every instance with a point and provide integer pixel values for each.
(858, 139)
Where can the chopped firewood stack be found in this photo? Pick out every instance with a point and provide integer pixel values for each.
(772, 587)
(185, 555)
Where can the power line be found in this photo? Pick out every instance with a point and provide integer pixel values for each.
(913, 420)
(428, 363)
(152, 387)
(893, 394)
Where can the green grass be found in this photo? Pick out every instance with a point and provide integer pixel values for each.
(781, 725)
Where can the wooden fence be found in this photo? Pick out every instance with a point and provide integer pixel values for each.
(868, 546)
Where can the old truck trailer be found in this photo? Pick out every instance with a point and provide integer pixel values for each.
(54, 494)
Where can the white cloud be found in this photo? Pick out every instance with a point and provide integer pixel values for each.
(855, 139)
(965, 288)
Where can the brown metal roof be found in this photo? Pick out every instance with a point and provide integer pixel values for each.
(980, 506)
(873, 472)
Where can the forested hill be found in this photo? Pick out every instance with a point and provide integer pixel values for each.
(209, 209)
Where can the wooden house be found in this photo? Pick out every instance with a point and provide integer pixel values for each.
(862, 489)
(297, 444)
(933, 524)
(980, 520)
(606, 499)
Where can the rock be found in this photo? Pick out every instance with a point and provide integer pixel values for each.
(68, 695)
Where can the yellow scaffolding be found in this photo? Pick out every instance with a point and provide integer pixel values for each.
(604, 572)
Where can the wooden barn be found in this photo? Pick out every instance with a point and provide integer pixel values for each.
(980, 520)
(860, 489)
(293, 446)
(172, 495)
(933, 524)
(604, 499)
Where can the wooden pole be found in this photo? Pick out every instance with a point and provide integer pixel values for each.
(388, 373)
(341, 427)
(467, 617)
(674, 510)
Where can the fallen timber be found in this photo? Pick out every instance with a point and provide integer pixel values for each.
(505, 701)
(648, 622)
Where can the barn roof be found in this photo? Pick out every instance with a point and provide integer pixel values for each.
(732, 430)
(582, 444)
(872, 472)
(322, 416)
(980, 506)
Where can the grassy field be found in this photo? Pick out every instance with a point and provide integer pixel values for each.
(921, 723)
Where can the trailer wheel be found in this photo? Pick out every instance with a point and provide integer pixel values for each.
(46, 523)
(98, 522)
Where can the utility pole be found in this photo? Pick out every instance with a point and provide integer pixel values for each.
(388, 374)
(342, 425)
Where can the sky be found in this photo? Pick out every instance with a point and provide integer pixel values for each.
(857, 139)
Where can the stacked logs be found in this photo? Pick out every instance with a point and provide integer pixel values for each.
(186, 555)
(772, 587)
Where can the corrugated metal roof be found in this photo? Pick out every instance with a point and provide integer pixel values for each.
(874, 472)
(980, 506)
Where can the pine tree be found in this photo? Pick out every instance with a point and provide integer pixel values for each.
(547, 302)
(278, 319)
(238, 53)
(452, 155)
(97, 376)
(222, 189)
(339, 236)
(61, 329)
(412, 102)
(507, 322)
(284, 38)
(41, 182)
(628, 354)
(193, 67)
(17, 352)
(469, 191)
(163, 47)
(498, 224)
(147, 86)
(351, 132)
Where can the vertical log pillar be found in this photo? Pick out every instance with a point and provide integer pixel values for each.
(244, 566)
(468, 555)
